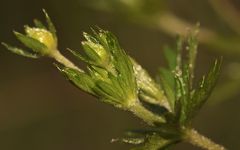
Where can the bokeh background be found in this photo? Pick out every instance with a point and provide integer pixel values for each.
(39, 110)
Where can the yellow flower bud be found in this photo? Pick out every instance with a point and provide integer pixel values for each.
(43, 36)
(96, 53)
(99, 50)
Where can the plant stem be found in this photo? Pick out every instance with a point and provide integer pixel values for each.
(146, 115)
(195, 138)
(171, 24)
(230, 15)
(63, 60)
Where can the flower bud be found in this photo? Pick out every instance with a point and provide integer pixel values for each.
(43, 36)
(96, 53)
(41, 40)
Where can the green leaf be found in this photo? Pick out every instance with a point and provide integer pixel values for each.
(202, 93)
(185, 78)
(168, 83)
(171, 56)
(192, 45)
(155, 142)
(20, 51)
(179, 48)
(51, 26)
(130, 140)
(31, 43)
(153, 138)
(164, 130)
(180, 90)
(181, 101)
(192, 48)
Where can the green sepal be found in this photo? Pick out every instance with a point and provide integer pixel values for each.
(90, 38)
(110, 90)
(122, 65)
(51, 26)
(80, 79)
(114, 83)
(108, 94)
(78, 55)
(20, 51)
(31, 43)
(81, 57)
(39, 24)
(98, 73)
(91, 54)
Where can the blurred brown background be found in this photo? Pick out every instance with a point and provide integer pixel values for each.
(40, 110)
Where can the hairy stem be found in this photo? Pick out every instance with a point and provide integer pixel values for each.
(64, 61)
(146, 115)
(195, 138)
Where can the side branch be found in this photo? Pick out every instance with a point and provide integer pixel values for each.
(195, 138)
